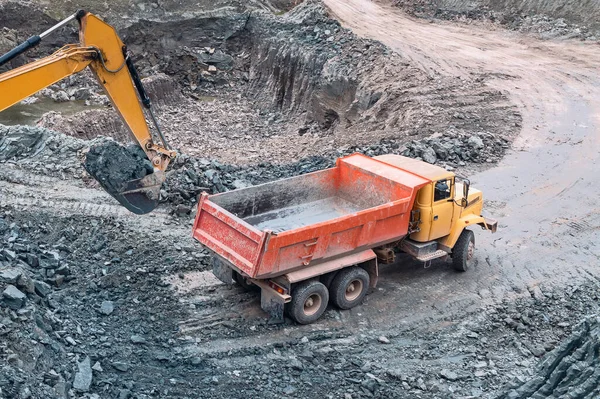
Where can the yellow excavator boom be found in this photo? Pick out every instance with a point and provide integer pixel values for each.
(101, 49)
(20, 83)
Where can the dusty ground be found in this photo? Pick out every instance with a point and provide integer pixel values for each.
(175, 332)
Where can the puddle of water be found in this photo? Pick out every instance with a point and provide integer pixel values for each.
(29, 114)
(206, 99)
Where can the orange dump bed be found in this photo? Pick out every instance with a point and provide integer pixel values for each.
(274, 228)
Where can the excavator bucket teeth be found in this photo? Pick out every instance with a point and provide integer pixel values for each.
(141, 196)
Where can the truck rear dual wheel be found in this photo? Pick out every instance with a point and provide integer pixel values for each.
(309, 301)
(349, 287)
(310, 298)
(463, 253)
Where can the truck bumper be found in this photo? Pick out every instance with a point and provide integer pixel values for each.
(490, 224)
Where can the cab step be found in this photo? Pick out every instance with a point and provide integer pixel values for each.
(431, 256)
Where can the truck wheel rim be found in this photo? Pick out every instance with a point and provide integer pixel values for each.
(353, 289)
(470, 250)
(312, 304)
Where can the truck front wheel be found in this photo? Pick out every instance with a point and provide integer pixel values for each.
(309, 301)
(349, 287)
(463, 253)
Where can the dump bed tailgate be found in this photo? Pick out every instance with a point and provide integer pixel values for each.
(228, 236)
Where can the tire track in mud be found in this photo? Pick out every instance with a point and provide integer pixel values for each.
(29, 192)
(54, 195)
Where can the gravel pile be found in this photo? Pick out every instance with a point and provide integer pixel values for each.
(41, 150)
(31, 325)
(67, 295)
(59, 155)
(454, 149)
(20, 142)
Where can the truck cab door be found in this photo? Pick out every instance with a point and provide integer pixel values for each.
(442, 208)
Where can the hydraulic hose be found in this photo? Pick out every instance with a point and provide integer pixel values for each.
(35, 40)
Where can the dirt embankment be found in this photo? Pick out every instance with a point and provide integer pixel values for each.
(251, 87)
(19, 20)
(549, 18)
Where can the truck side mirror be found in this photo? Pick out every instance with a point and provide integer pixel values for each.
(466, 186)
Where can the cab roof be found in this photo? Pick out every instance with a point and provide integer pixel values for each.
(414, 166)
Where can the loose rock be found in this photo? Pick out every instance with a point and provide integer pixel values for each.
(107, 307)
(14, 298)
(449, 375)
(83, 377)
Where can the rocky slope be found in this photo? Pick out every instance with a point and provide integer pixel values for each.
(548, 18)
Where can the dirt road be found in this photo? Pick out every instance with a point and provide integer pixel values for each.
(544, 192)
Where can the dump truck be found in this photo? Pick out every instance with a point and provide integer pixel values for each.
(319, 238)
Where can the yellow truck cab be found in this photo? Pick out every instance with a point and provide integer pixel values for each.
(442, 211)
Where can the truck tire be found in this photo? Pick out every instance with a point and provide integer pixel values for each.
(242, 282)
(463, 253)
(327, 279)
(309, 301)
(349, 287)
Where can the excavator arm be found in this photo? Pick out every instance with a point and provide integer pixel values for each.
(101, 50)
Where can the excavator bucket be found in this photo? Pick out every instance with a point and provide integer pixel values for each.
(140, 196)
(126, 174)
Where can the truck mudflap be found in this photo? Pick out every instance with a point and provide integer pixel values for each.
(222, 270)
(489, 224)
(272, 301)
